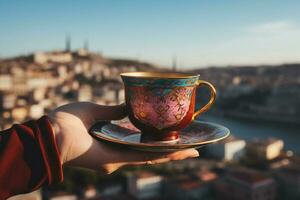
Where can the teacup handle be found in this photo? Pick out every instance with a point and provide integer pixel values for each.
(210, 102)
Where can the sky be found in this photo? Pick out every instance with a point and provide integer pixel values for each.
(197, 33)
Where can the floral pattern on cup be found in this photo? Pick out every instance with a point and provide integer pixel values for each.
(160, 107)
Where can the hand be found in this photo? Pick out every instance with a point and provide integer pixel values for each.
(77, 148)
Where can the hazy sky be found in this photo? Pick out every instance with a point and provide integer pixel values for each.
(200, 33)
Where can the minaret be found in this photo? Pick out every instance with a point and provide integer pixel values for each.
(174, 63)
(68, 43)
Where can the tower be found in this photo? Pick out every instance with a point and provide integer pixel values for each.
(68, 43)
(174, 63)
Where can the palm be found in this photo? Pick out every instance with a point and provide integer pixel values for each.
(78, 148)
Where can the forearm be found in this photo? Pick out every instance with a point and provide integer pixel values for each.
(29, 158)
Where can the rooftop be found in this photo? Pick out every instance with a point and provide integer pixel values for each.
(264, 142)
(189, 185)
(248, 176)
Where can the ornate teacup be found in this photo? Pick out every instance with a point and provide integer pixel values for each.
(161, 104)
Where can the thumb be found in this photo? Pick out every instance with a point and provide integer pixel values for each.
(101, 112)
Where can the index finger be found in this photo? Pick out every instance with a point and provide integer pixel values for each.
(139, 157)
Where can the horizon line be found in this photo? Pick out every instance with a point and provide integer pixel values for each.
(270, 64)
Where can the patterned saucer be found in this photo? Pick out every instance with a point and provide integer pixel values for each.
(195, 135)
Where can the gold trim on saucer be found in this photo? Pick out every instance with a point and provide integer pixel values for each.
(158, 75)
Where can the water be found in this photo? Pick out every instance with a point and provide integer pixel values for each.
(248, 130)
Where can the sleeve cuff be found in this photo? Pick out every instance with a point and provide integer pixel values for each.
(49, 150)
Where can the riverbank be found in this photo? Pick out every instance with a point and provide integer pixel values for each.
(250, 129)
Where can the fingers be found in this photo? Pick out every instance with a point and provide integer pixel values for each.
(101, 112)
(147, 158)
(157, 158)
(107, 159)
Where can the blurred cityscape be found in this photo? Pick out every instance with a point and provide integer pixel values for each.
(270, 93)
(258, 169)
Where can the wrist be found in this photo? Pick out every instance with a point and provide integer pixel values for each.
(57, 135)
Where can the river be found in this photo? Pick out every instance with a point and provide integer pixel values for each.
(248, 130)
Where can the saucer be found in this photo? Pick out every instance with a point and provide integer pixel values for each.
(195, 135)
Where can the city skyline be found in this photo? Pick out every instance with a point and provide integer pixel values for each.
(199, 33)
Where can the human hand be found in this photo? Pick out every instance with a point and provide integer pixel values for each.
(71, 123)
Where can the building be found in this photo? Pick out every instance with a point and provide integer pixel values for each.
(7, 100)
(187, 190)
(262, 150)
(57, 57)
(38, 94)
(39, 81)
(245, 184)
(144, 185)
(288, 179)
(6, 82)
(19, 114)
(33, 85)
(229, 149)
(112, 189)
(191, 186)
(90, 192)
(205, 175)
(110, 92)
(36, 111)
(85, 93)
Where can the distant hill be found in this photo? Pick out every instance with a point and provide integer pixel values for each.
(249, 68)
(78, 56)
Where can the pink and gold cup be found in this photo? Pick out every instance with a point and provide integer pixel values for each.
(161, 104)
